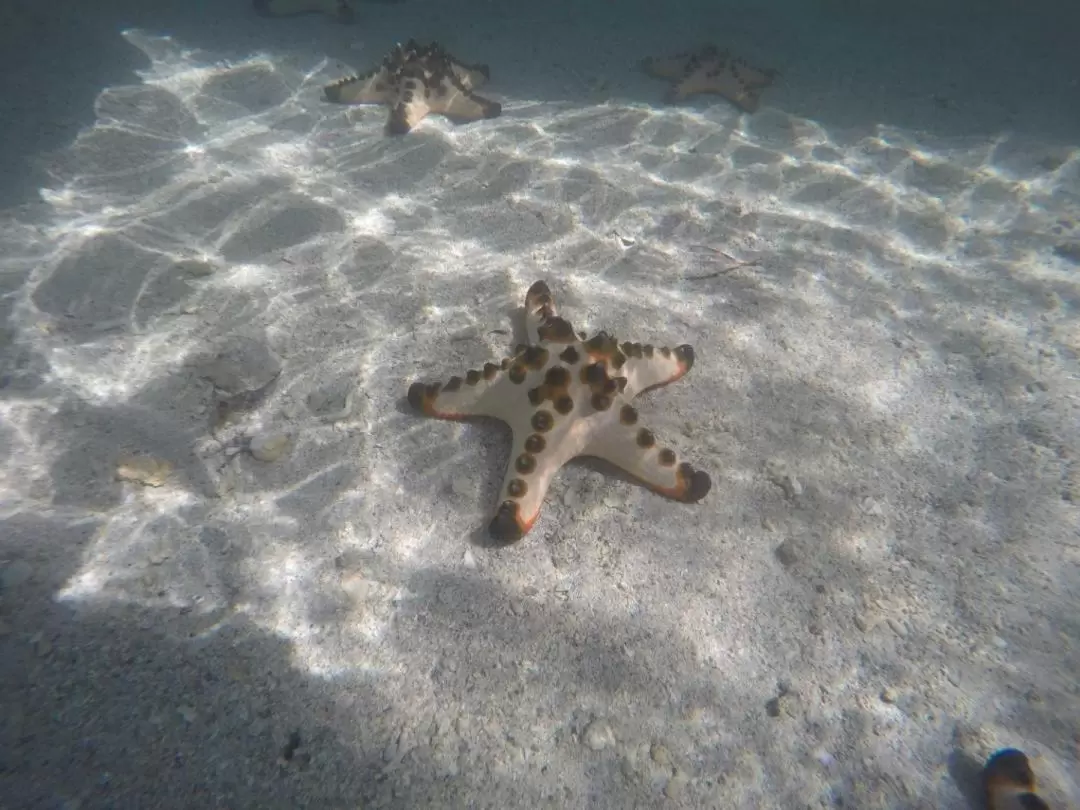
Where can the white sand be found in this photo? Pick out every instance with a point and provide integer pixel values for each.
(883, 585)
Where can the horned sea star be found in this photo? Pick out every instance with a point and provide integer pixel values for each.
(414, 80)
(709, 70)
(564, 396)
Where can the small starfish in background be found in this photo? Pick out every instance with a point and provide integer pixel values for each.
(709, 70)
(565, 396)
(340, 10)
(414, 80)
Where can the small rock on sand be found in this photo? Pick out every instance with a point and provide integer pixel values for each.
(145, 470)
(269, 446)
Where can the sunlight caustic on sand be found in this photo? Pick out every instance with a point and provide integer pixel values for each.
(782, 182)
(857, 303)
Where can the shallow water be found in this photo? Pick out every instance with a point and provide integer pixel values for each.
(238, 570)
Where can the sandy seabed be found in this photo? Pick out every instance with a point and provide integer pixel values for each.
(238, 572)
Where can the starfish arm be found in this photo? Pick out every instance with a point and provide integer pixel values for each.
(478, 393)
(718, 80)
(470, 76)
(373, 87)
(679, 65)
(420, 95)
(665, 67)
(502, 391)
(441, 60)
(542, 321)
(543, 443)
(410, 108)
(539, 309)
(451, 98)
(649, 367)
(634, 450)
(725, 75)
(694, 83)
(1009, 782)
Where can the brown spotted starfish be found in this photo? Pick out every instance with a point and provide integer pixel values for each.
(340, 10)
(414, 80)
(564, 396)
(709, 70)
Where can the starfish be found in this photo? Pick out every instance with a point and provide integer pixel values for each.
(1009, 782)
(340, 10)
(564, 395)
(709, 70)
(414, 80)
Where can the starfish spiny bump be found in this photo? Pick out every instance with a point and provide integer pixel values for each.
(414, 80)
(565, 396)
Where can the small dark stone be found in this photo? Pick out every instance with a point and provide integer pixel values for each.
(291, 746)
(787, 553)
(1069, 251)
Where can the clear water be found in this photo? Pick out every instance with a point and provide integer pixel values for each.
(237, 570)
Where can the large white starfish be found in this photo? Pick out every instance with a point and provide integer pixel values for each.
(564, 396)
